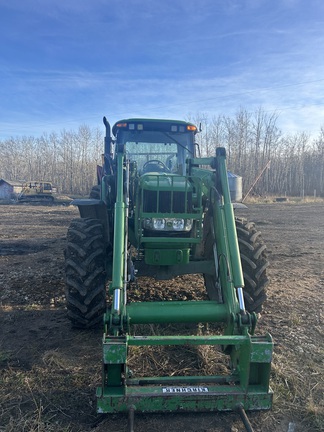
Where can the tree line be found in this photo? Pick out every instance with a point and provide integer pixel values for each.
(291, 165)
(67, 159)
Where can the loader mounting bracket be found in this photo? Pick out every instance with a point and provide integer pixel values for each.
(246, 384)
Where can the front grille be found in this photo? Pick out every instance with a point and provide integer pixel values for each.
(167, 202)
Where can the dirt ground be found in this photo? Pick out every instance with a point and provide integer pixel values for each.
(49, 371)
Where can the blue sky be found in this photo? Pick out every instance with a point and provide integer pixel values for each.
(64, 63)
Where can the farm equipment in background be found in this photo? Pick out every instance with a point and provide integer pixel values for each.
(36, 191)
(160, 211)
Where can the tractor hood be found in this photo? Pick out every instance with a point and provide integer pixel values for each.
(165, 182)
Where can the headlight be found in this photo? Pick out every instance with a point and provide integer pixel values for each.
(188, 224)
(178, 224)
(167, 224)
(158, 224)
(147, 223)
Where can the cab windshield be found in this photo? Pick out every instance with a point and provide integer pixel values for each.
(157, 151)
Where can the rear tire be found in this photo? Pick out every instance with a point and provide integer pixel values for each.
(85, 273)
(254, 264)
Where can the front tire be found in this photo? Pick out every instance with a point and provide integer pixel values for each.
(85, 273)
(254, 264)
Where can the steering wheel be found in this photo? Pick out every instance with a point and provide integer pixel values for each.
(155, 165)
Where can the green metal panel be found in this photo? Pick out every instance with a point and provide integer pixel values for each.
(201, 398)
(114, 352)
(165, 182)
(119, 229)
(162, 256)
(261, 351)
(209, 161)
(235, 340)
(176, 241)
(229, 223)
(193, 216)
(191, 340)
(224, 261)
(176, 312)
(180, 380)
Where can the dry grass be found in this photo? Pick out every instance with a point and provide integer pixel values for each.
(298, 393)
(55, 360)
(170, 360)
(53, 393)
(34, 421)
(269, 199)
(21, 392)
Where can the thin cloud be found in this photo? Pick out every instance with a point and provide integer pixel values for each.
(75, 61)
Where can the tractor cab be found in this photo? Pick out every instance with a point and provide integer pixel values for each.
(156, 146)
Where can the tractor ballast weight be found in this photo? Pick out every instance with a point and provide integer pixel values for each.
(162, 212)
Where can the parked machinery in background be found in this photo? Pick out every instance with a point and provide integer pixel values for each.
(36, 191)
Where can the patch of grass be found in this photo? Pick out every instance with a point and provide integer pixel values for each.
(55, 360)
(283, 383)
(200, 360)
(271, 199)
(33, 306)
(33, 421)
(315, 412)
(5, 356)
(307, 200)
(294, 319)
(51, 395)
(298, 393)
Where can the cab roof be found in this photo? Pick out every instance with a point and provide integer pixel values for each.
(152, 124)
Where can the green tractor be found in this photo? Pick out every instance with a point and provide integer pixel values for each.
(161, 211)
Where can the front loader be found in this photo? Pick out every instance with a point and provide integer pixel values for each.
(160, 211)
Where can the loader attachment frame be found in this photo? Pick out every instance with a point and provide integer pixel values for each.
(247, 385)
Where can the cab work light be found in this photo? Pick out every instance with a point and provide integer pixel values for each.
(191, 128)
(131, 126)
(175, 128)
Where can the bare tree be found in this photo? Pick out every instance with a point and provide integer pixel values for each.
(68, 159)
